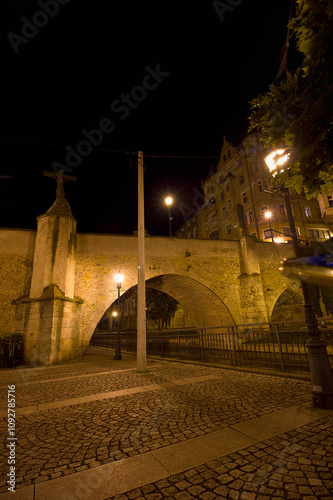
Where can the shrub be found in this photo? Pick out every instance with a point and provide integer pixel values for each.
(11, 350)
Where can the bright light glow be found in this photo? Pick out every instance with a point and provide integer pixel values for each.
(276, 158)
(114, 313)
(278, 240)
(119, 278)
(168, 200)
(268, 215)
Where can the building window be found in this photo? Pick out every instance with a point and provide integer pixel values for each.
(229, 170)
(268, 234)
(286, 231)
(282, 210)
(319, 233)
(330, 200)
(220, 179)
(241, 180)
(266, 184)
(229, 204)
(227, 186)
(228, 229)
(222, 195)
(251, 216)
(239, 162)
(253, 149)
(244, 198)
(214, 235)
(223, 212)
(194, 232)
(259, 187)
(307, 211)
(263, 210)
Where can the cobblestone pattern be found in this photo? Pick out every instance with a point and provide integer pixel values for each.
(65, 440)
(295, 465)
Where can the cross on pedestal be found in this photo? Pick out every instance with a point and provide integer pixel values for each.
(60, 178)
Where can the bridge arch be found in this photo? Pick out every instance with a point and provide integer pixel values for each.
(200, 303)
(288, 306)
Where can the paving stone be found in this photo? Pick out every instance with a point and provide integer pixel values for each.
(60, 441)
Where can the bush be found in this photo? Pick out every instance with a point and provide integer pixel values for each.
(11, 350)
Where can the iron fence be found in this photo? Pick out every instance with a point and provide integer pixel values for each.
(280, 346)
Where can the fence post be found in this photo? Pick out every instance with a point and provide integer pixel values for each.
(202, 344)
(280, 348)
(234, 346)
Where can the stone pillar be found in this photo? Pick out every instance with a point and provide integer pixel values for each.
(52, 313)
(250, 285)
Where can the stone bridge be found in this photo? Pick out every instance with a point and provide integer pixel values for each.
(57, 284)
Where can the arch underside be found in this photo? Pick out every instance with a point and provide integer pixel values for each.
(289, 306)
(204, 306)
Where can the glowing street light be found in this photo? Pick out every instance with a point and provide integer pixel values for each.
(320, 369)
(117, 348)
(268, 216)
(276, 159)
(168, 201)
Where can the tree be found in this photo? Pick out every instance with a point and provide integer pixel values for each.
(160, 307)
(298, 111)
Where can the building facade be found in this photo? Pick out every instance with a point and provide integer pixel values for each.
(241, 199)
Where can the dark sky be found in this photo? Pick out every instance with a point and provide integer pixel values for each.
(85, 58)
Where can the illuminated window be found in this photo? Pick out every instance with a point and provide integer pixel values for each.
(307, 211)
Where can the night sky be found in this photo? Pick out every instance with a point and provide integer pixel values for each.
(72, 73)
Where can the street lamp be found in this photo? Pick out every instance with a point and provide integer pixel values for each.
(320, 369)
(117, 348)
(268, 216)
(168, 200)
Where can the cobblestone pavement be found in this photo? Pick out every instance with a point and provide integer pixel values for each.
(295, 465)
(61, 441)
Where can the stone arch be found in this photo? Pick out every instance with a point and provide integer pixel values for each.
(288, 306)
(202, 304)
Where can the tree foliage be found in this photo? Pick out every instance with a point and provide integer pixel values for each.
(160, 307)
(298, 111)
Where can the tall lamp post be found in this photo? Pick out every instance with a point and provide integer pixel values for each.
(320, 369)
(169, 202)
(268, 216)
(117, 348)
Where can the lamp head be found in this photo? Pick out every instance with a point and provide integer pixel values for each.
(119, 279)
(268, 214)
(168, 200)
(276, 159)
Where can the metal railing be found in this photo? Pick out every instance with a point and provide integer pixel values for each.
(279, 346)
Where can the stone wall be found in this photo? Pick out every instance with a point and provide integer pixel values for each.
(16, 258)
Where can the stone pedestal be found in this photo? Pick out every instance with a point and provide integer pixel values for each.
(52, 315)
